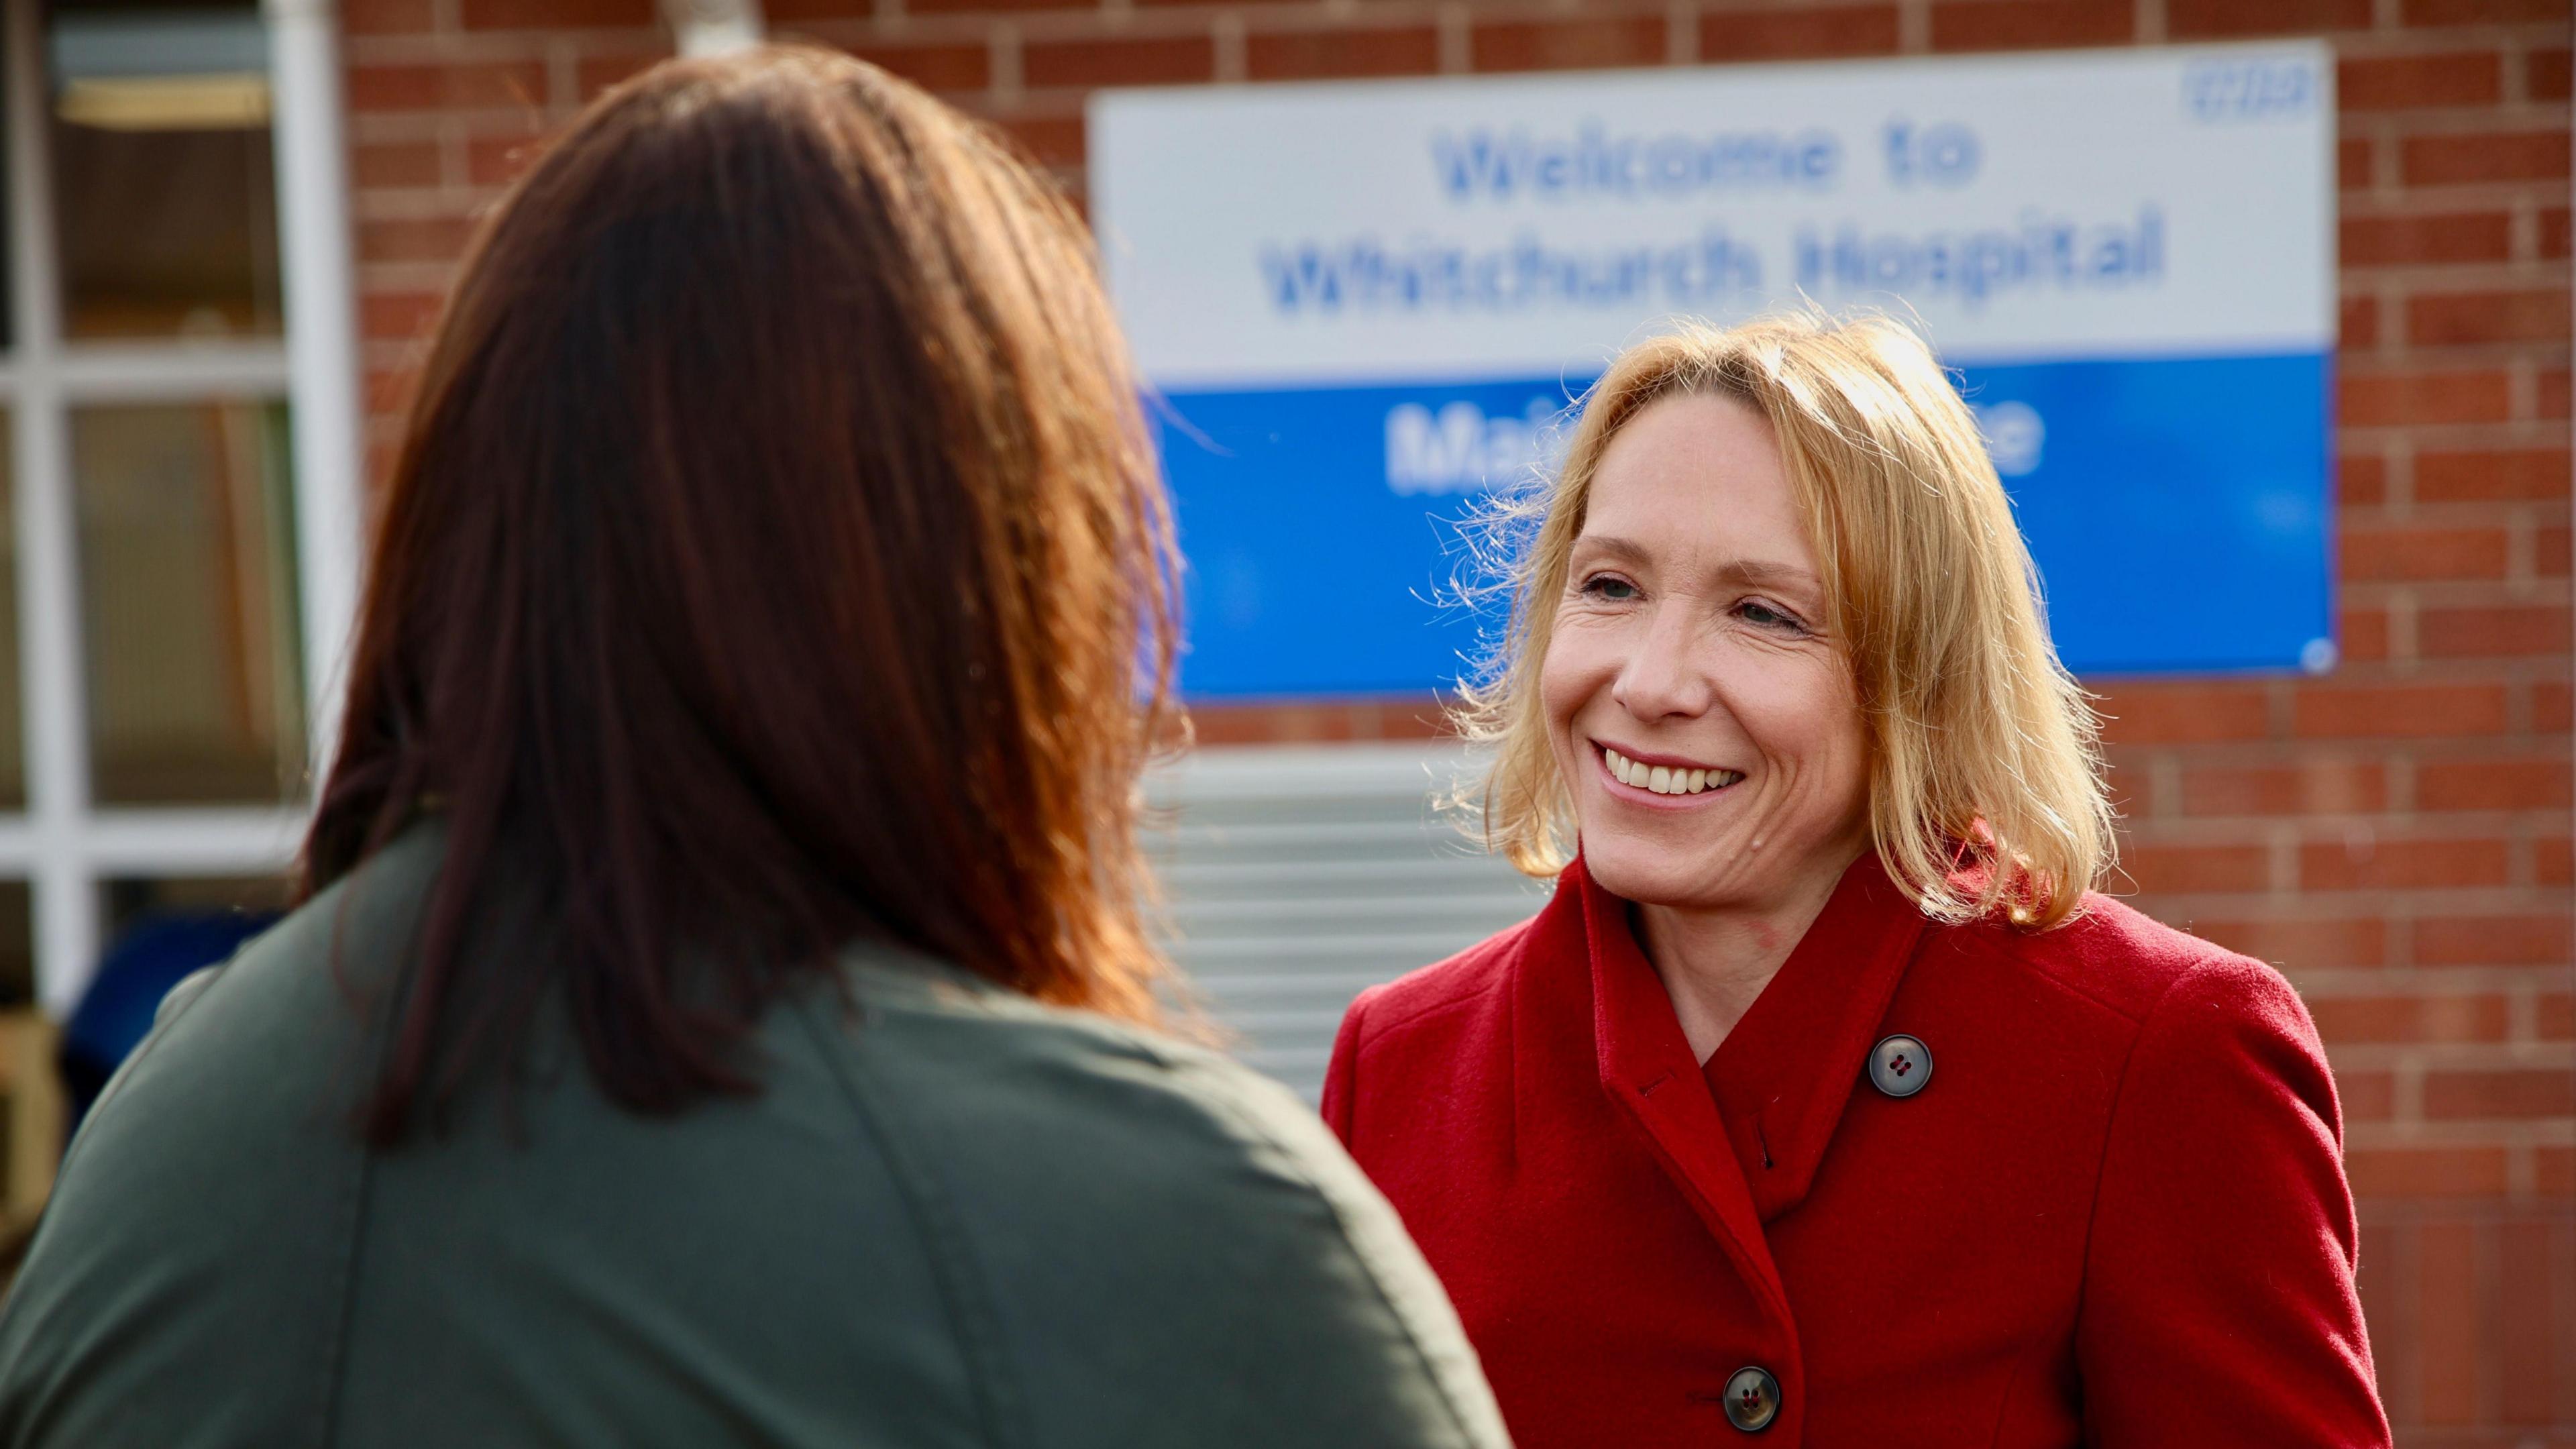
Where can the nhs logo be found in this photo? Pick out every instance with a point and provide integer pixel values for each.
(1463, 449)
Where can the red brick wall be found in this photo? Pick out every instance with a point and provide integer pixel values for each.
(2396, 835)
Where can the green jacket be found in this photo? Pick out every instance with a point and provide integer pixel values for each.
(954, 1217)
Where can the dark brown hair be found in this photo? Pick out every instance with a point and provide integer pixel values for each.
(775, 558)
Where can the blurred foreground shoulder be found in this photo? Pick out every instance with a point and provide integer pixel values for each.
(1153, 1245)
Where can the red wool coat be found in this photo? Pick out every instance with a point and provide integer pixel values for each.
(2114, 1215)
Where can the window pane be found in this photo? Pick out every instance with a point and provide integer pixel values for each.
(13, 757)
(17, 945)
(165, 188)
(188, 604)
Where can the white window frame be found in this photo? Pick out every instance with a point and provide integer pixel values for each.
(64, 845)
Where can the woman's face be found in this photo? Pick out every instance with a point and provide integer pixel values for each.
(1705, 725)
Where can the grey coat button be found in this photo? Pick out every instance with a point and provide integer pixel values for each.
(1900, 1066)
(1752, 1398)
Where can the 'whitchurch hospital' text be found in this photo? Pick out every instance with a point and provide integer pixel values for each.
(1716, 268)
(1704, 264)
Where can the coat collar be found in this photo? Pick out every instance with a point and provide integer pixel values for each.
(1647, 1068)
(1784, 1075)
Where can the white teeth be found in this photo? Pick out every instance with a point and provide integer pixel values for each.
(1666, 779)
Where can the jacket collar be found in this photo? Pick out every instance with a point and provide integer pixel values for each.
(1784, 1074)
(1647, 1068)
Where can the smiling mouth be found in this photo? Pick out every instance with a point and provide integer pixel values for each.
(1666, 779)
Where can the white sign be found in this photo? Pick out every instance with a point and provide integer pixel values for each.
(2025, 207)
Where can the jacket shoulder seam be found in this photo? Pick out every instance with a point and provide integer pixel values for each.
(2075, 986)
(2111, 1129)
(963, 1292)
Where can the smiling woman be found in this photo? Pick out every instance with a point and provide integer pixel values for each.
(1779, 713)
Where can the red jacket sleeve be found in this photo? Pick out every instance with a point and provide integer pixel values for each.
(2219, 1306)
(1341, 1078)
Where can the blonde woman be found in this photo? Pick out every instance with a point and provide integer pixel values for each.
(1824, 1100)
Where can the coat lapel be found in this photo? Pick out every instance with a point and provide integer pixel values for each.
(1784, 1075)
(1646, 1066)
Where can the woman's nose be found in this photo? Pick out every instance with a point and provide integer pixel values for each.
(1662, 675)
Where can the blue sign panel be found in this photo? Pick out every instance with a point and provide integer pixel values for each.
(2125, 257)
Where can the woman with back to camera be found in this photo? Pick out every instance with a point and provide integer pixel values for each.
(719, 1013)
(1822, 1100)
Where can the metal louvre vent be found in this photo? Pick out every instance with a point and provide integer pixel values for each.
(1296, 877)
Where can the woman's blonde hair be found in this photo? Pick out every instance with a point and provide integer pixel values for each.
(1985, 773)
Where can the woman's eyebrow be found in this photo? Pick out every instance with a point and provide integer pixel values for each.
(1760, 573)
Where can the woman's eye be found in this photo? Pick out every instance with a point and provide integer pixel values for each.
(1606, 586)
(1767, 617)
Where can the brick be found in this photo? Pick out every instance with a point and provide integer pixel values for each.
(2303, 945)
(2403, 82)
(2184, 714)
(2495, 633)
(2447, 1322)
(2410, 1020)
(1588, 43)
(2403, 864)
(1048, 140)
(2482, 1096)
(2386, 553)
(933, 67)
(2031, 24)
(1319, 54)
(2463, 160)
(2394, 399)
(2352, 163)
(2552, 390)
(2550, 862)
(2359, 325)
(1799, 34)
(2361, 635)
(2481, 12)
(387, 17)
(2442, 239)
(2556, 1016)
(959, 7)
(2524, 784)
(2529, 1326)
(595, 74)
(2553, 231)
(397, 317)
(498, 160)
(2361, 478)
(2555, 1170)
(2425, 1172)
(1153, 60)
(2384, 1252)
(394, 164)
(2353, 711)
(389, 392)
(2206, 19)
(2544, 74)
(414, 239)
(2550, 705)
(463, 86)
(2549, 551)
(559, 14)
(2451, 319)
(2193, 869)
(2366, 1096)
(2539, 940)
(2308, 787)
(2493, 475)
